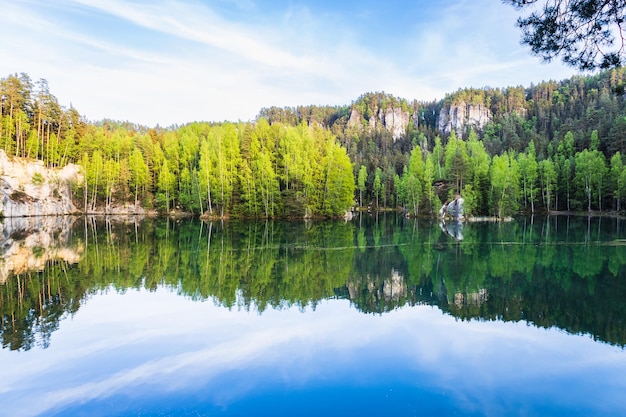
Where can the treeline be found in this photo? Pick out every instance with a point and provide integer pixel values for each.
(244, 169)
(551, 146)
(247, 170)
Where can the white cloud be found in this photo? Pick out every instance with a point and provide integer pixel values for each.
(120, 344)
(171, 62)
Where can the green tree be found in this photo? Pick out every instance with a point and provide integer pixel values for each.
(585, 34)
(504, 180)
(548, 178)
(256, 165)
(527, 163)
(336, 180)
(165, 186)
(225, 157)
(618, 179)
(94, 177)
(139, 174)
(438, 159)
(590, 173)
(110, 174)
(429, 190)
(377, 184)
(565, 162)
(594, 141)
(478, 172)
(457, 161)
(15, 92)
(414, 180)
(361, 183)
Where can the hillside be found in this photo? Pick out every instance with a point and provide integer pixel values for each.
(550, 146)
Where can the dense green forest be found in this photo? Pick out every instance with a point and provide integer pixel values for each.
(557, 145)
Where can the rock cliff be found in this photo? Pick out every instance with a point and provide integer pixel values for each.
(393, 119)
(461, 116)
(27, 188)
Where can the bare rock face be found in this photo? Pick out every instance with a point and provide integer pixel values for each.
(355, 118)
(27, 188)
(393, 119)
(461, 116)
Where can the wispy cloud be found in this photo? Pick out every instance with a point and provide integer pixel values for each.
(184, 353)
(171, 62)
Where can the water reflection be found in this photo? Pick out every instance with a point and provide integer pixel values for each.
(566, 272)
(29, 244)
(378, 316)
(204, 359)
(453, 228)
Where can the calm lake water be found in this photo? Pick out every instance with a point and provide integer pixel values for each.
(378, 316)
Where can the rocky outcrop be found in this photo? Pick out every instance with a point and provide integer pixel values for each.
(455, 209)
(393, 119)
(27, 188)
(462, 116)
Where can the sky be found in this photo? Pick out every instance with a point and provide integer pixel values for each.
(171, 62)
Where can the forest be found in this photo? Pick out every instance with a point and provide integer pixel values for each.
(554, 146)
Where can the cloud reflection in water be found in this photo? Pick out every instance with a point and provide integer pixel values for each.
(149, 351)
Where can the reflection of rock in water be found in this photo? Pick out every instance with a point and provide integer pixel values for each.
(28, 243)
(394, 288)
(472, 298)
(453, 228)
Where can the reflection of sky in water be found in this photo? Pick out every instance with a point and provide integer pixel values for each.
(158, 353)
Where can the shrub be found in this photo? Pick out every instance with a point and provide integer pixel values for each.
(37, 179)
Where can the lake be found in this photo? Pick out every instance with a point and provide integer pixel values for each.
(380, 315)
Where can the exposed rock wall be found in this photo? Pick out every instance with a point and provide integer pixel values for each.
(27, 188)
(393, 119)
(461, 116)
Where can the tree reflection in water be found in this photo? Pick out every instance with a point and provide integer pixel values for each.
(559, 271)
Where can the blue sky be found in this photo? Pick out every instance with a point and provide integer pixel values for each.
(173, 61)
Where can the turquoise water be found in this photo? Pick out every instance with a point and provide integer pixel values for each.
(377, 316)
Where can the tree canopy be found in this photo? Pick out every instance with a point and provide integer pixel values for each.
(550, 146)
(586, 34)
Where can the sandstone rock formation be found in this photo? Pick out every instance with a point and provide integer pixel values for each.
(393, 119)
(462, 116)
(27, 188)
(455, 209)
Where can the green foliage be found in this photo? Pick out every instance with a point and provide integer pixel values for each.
(413, 181)
(548, 178)
(504, 180)
(361, 182)
(528, 174)
(37, 179)
(590, 176)
(282, 166)
(582, 33)
(550, 271)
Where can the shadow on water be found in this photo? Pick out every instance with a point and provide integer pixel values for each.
(568, 272)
